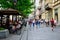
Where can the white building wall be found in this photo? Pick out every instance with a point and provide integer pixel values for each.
(43, 6)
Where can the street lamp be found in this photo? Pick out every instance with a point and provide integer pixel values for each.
(15, 2)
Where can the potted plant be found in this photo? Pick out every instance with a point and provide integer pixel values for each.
(3, 32)
(1, 28)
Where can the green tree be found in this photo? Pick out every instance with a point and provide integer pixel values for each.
(23, 6)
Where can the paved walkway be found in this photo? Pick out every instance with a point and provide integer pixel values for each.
(15, 36)
(42, 33)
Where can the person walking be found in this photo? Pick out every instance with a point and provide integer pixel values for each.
(52, 23)
(33, 22)
(47, 22)
(39, 21)
(55, 23)
(30, 22)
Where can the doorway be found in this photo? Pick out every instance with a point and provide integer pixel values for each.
(56, 14)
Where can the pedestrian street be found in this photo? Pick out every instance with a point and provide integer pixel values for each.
(36, 33)
(42, 33)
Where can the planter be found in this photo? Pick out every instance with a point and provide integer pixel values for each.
(4, 33)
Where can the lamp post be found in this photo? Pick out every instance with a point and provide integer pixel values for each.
(15, 2)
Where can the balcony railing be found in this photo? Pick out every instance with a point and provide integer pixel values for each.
(48, 6)
(56, 3)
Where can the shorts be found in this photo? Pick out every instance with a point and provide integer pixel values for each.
(52, 25)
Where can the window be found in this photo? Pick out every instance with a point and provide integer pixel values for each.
(56, 14)
(56, 11)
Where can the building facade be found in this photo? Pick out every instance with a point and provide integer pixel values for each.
(56, 10)
(42, 9)
(51, 9)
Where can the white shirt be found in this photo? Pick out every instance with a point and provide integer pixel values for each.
(33, 21)
(55, 21)
(46, 20)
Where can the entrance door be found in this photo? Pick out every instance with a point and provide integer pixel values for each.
(56, 16)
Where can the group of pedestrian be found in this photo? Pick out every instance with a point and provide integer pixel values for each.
(35, 22)
(38, 22)
(53, 23)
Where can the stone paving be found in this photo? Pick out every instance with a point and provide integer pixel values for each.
(15, 36)
(42, 33)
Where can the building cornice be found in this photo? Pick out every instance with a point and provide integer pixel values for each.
(56, 3)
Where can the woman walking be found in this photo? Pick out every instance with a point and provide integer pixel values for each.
(52, 23)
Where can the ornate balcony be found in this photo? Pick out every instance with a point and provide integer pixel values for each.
(56, 3)
(48, 6)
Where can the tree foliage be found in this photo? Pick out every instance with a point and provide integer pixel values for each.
(23, 6)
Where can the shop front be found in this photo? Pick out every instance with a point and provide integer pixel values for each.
(8, 17)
